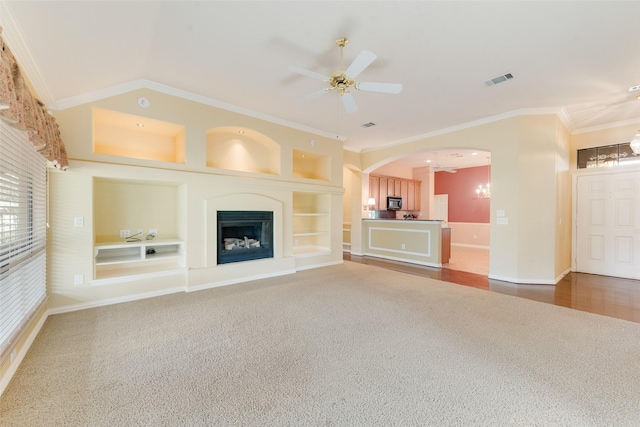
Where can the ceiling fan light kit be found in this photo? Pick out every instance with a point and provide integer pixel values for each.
(343, 80)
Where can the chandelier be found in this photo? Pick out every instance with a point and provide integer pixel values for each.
(484, 192)
(635, 143)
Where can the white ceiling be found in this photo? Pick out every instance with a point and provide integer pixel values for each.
(572, 57)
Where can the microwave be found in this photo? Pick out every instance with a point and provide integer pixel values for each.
(394, 203)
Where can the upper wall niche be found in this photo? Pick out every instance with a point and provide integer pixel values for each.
(126, 135)
(243, 150)
(311, 165)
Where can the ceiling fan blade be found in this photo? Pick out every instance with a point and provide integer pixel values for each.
(313, 96)
(445, 169)
(348, 102)
(362, 61)
(308, 73)
(380, 87)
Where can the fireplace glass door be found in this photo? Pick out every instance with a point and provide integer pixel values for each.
(244, 236)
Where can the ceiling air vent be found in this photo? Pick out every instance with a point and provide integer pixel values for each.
(368, 125)
(499, 79)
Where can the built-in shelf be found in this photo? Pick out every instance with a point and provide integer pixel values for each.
(311, 224)
(120, 259)
(346, 236)
(311, 165)
(136, 137)
(243, 150)
(307, 251)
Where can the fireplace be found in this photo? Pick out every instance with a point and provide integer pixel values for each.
(244, 236)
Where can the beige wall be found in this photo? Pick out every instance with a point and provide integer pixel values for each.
(353, 207)
(418, 242)
(470, 234)
(533, 158)
(391, 169)
(563, 201)
(425, 176)
(525, 157)
(112, 192)
(601, 137)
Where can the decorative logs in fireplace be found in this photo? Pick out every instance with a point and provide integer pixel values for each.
(231, 243)
(244, 236)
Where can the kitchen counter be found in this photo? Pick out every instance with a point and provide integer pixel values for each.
(418, 241)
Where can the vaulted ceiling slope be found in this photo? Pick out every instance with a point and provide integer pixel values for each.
(571, 57)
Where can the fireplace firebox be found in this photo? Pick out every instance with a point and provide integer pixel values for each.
(244, 236)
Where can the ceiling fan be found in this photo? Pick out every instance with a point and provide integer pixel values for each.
(343, 79)
(438, 168)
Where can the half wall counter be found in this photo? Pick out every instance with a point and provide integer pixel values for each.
(415, 241)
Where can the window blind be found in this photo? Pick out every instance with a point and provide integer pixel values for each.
(23, 207)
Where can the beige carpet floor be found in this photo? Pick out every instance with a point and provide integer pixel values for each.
(347, 345)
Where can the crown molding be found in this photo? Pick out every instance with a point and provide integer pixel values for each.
(85, 98)
(630, 122)
(475, 123)
(12, 35)
(353, 150)
(564, 117)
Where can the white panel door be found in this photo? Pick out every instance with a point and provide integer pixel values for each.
(608, 224)
(441, 207)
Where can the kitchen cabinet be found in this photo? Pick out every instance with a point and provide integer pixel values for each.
(391, 187)
(383, 192)
(445, 251)
(374, 190)
(404, 191)
(411, 196)
(382, 186)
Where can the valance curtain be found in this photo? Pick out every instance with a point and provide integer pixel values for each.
(20, 109)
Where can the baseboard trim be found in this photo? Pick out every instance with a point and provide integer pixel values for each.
(126, 278)
(8, 376)
(464, 245)
(567, 271)
(405, 260)
(326, 264)
(238, 280)
(522, 281)
(111, 301)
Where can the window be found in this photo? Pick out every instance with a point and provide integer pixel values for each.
(22, 232)
(607, 156)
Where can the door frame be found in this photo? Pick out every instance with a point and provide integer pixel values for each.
(614, 170)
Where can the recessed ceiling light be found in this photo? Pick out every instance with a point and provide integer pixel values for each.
(140, 125)
(368, 124)
(634, 88)
(241, 132)
(474, 154)
(428, 161)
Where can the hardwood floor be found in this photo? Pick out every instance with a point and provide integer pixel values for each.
(608, 296)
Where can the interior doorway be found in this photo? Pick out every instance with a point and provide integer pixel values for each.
(607, 220)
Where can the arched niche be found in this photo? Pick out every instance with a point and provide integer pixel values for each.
(241, 149)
